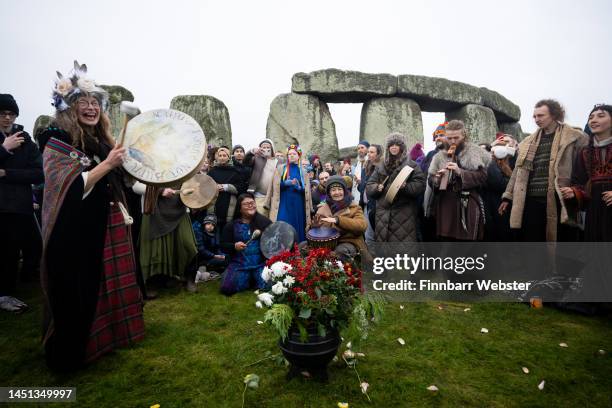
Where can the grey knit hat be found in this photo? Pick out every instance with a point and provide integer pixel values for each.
(210, 219)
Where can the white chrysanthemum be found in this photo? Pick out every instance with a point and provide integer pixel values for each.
(289, 280)
(64, 86)
(340, 265)
(278, 288)
(258, 304)
(86, 84)
(279, 269)
(266, 274)
(266, 298)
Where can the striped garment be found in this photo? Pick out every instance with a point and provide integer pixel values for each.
(538, 178)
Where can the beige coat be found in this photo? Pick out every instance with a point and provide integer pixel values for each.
(351, 225)
(273, 195)
(567, 143)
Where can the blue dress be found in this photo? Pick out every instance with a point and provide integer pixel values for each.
(291, 208)
(245, 266)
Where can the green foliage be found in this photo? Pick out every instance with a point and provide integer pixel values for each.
(197, 348)
(368, 308)
(280, 317)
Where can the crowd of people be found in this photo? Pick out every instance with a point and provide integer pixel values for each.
(109, 242)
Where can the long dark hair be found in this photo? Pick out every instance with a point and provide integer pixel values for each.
(239, 201)
(372, 164)
(590, 153)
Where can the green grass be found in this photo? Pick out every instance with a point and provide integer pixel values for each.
(197, 347)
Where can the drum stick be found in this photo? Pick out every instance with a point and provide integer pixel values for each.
(185, 191)
(255, 235)
(129, 110)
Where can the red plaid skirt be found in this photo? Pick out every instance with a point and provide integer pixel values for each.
(118, 321)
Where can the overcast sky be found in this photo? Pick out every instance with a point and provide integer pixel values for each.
(245, 53)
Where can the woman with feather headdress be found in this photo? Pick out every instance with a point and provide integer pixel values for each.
(88, 273)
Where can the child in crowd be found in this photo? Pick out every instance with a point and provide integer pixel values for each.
(210, 257)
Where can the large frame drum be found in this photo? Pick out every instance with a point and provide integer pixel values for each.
(165, 147)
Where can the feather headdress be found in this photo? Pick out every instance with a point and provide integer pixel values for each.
(68, 89)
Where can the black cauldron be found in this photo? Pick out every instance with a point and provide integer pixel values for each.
(311, 356)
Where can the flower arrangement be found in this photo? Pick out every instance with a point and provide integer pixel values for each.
(67, 89)
(316, 290)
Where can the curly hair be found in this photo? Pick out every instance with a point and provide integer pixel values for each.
(68, 120)
(556, 110)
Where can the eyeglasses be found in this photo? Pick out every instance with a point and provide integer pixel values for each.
(248, 204)
(8, 114)
(83, 104)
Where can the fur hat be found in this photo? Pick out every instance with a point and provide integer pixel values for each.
(69, 89)
(396, 139)
(8, 103)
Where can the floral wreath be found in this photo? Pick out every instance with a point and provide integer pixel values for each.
(297, 148)
(68, 89)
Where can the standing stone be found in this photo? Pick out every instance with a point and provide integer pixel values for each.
(349, 151)
(437, 94)
(334, 85)
(479, 122)
(116, 94)
(382, 116)
(512, 128)
(42, 122)
(210, 113)
(303, 120)
(502, 107)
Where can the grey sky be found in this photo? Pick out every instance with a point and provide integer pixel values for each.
(245, 53)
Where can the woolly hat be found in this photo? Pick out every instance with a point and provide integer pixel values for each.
(336, 180)
(416, 152)
(8, 103)
(238, 147)
(270, 143)
(222, 148)
(210, 219)
(365, 143)
(440, 130)
(349, 181)
(69, 89)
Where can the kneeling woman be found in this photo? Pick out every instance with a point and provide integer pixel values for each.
(342, 214)
(247, 261)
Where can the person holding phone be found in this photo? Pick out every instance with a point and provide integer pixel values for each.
(20, 167)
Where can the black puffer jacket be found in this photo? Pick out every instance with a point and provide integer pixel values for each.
(23, 167)
(396, 222)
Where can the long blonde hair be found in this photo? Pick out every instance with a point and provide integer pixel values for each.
(69, 121)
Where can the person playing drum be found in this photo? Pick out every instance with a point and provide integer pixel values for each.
(339, 212)
(88, 274)
(238, 240)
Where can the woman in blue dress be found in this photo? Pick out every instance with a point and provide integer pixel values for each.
(289, 197)
(247, 261)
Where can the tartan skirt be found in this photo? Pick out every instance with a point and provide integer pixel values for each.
(118, 320)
